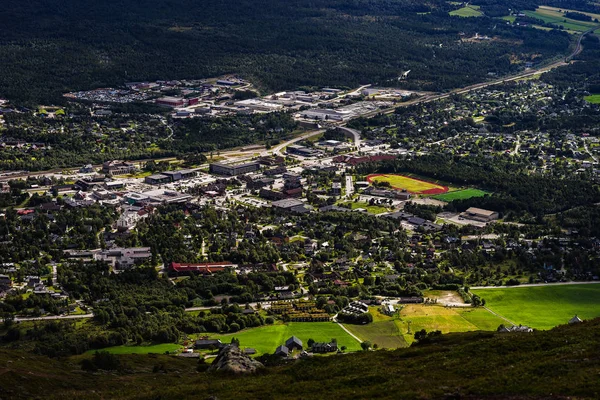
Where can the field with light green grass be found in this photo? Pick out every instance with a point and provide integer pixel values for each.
(445, 319)
(468, 11)
(461, 194)
(543, 307)
(265, 339)
(392, 331)
(150, 349)
(366, 206)
(594, 98)
(554, 16)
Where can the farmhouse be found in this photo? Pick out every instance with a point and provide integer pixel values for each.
(293, 343)
(324, 347)
(575, 320)
(479, 214)
(282, 351)
(208, 343)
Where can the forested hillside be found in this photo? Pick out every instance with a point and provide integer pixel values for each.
(48, 46)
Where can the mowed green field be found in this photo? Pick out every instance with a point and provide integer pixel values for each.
(461, 194)
(468, 11)
(154, 349)
(265, 339)
(594, 98)
(543, 307)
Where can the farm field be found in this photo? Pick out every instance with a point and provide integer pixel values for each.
(266, 338)
(452, 319)
(543, 307)
(594, 98)
(412, 185)
(385, 334)
(468, 11)
(461, 194)
(155, 349)
(554, 16)
(392, 332)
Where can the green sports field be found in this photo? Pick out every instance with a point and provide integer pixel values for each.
(594, 98)
(543, 307)
(461, 194)
(266, 338)
(155, 349)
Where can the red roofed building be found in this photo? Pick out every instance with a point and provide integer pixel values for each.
(202, 268)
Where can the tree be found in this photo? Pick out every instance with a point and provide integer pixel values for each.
(310, 342)
(365, 345)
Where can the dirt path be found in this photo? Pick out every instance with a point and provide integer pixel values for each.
(347, 331)
(500, 316)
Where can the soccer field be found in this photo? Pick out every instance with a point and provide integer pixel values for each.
(543, 307)
(412, 185)
(461, 194)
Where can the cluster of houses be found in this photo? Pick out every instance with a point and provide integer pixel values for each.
(293, 343)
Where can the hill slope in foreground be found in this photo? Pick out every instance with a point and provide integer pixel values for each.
(562, 362)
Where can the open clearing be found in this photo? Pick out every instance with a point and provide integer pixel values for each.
(543, 307)
(554, 16)
(392, 332)
(594, 98)
(154, 349)
(445, 319)
(461, 194)
(468, 11)
(265, 339)
(412, 185)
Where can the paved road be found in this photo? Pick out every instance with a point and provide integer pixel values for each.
(277, 149)
(354, 133)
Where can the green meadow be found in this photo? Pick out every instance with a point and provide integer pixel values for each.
(543, 307)
(265, 339)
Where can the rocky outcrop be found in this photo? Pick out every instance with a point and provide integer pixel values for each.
(232, 359)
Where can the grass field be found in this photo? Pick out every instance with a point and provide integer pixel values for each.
(382, 331)
(554, 16)
(594, 99)
(468, 11)
(461, 194)
(366, 206)
(392, 332)
(438, 317)
(412, 185)
(543, 307)
(155, 349)
(266, 338)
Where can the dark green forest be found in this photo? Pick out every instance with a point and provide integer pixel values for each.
(49, 47)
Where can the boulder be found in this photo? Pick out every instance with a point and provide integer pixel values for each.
(232, 359)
